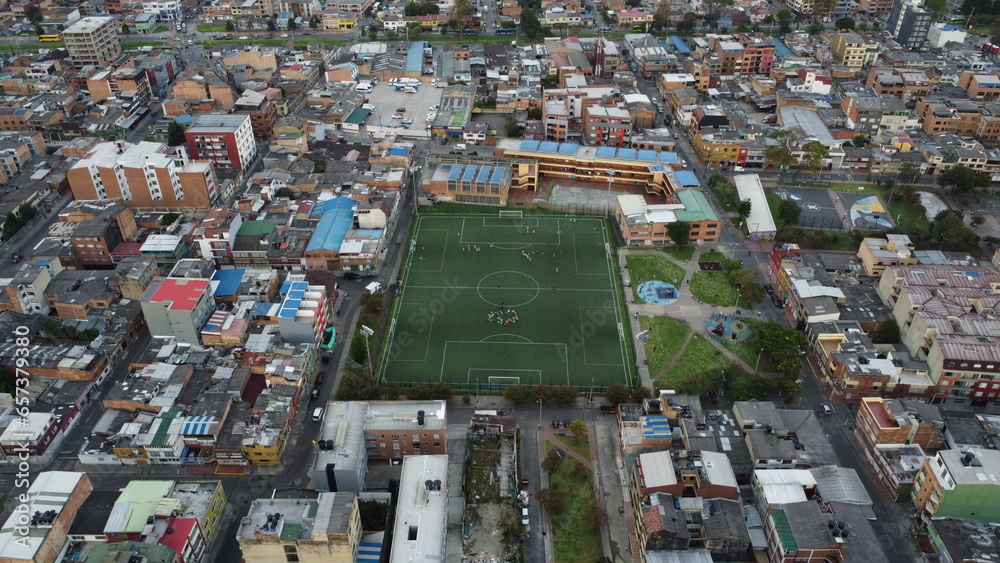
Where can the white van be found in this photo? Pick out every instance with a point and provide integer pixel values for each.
(364, 87)
(460, 147)
(318, 414)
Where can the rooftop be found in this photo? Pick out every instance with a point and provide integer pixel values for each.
(421, 515)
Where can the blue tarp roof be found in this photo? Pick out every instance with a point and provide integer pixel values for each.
(229, 280)
(456, 173)
(198, 425)
(336, 218)
(679, 44)
(654, 427)
(687, 179)
(262, 309)
(398, 152)
(781, 50)
(415, 57)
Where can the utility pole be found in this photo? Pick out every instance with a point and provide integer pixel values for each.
(368, 332)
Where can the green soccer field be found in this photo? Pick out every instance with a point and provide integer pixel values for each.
(492, 301)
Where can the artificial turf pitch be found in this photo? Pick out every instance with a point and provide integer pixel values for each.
(538, 306)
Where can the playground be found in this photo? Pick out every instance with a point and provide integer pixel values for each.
(488, 301)
(727, 328)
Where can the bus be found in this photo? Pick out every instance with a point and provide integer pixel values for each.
(506, 30)
(52, 37)
(957, 19)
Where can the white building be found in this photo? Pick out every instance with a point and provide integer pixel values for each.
(759, 224)
(93, 41)
(421, 510)
(940, 34)
(165, 10)
(56, 496)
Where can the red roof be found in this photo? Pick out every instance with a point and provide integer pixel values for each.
(183, 292)
(126, 248)
(178, 538)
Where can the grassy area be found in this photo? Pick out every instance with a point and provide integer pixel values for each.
(666, 336)
(212, 28)
(748, 351)
(579, 445)
(161, 29)
(138, 44)
(713, 287)
(648, 267)
(689, 373)
(682, 253)
(575, 529)
(713, 256)
(906, 216)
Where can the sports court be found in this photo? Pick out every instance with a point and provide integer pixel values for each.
(496, 300)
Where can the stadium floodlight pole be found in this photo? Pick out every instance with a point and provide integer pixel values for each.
(539, 413)
(368, 332)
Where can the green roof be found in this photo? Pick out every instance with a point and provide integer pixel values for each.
(256, 228)
(696, 207)
(166, 418)
(291, 531)
(121, 551)
(142, 498)
(358, 116)
(784, 530)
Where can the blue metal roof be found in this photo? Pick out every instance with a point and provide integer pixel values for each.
(261, 309)
(484, 174)
(548, 146)
(398, 152)
(336, 218)
(668, 157)
(648, 155)
(470, 173)
(293, 299)
(680, 45)
(497, 175)
(568, 148)
(456, 173)
(656, 427)
(368, 233)
(529, 145)
(229, 280)
(415, 57)
(199, 425)
(688, 179)
(781, 50)
(607, 152)
(627, 153)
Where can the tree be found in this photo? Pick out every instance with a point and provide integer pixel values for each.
(169, 218)
(782, 154)
(291, 24)
(936, 7)
(442, 391)
(534, 113)
(909, 173)
(814, 152)
(175, 134)
(788, 213)
(743, 208)
(578, 428)
(860, 140)
(661, 17)
(712, 10)
(977, 220)
(951, 233)
(689, 23)
(517, 394)
(462, 9)
(124, 28)
(784, 21)
(529, 23)
(746, 281)
(845, 23)
(552, 462)
(616, 394)
(679, 232)
(271, 24)
(249, 25)
(230, 26)
(39, 30)
(429, 8)
(419, 392)
(34, 13)
(815, 29)
(563, 395)
(511, 128)
(963, 179)
(314, 22)
(889, 333)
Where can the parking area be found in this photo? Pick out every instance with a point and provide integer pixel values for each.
(819, 211)
(387, 99)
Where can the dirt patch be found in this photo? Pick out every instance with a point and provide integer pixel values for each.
(484, 544)
(494, 530)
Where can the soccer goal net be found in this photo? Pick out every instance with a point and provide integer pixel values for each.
(511, 214)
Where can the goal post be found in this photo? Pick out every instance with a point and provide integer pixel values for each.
(511, 214)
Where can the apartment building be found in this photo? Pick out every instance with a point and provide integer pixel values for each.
(177, 307)
(875, 116)
(29, 118)
(197, 87)
(144, 175)
(981, 87)
(225, 140)
(878, 253)
(875, 8)
(93, 41)
(609, 126)
(853, 51)
(55, 495)
(946, 317)
(909, 23)
(942, 115)
(322, 530)
(132, 83)
(261, 112)
(960, 483)
(215, 234)
(421, 518)
(909, 86)
(93, 242)
(888, 421)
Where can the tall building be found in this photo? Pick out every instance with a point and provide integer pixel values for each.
(92, 41)
(144, 175)
(322, 530)
(909, 23)
(851, 50)
(226, 140)
(421, 510)
(177, 307)
(56, 496)
(961, 483)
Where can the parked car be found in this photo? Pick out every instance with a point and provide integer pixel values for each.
(769, 289)
(407, 120)
(555, 424)
(351, 276)
(825, 409)
(314, 394)
(524, 516)
(397, 116)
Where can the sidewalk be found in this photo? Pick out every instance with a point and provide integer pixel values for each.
(686, 307)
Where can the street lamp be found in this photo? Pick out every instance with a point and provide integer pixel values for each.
(539, 414)
(722, 388)
(757, 365)
(368, 332)
(737, 299)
